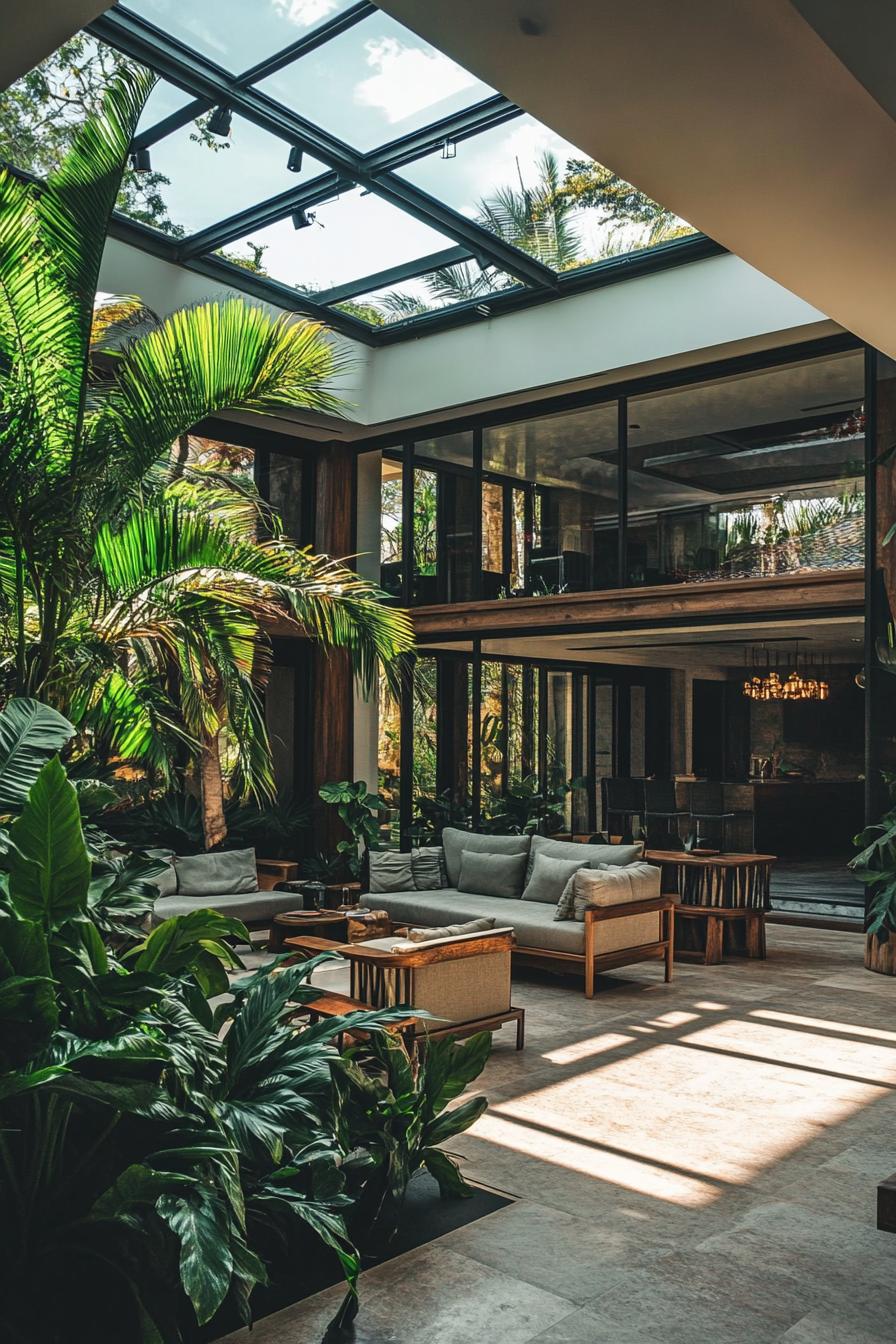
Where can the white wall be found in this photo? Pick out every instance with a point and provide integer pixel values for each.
(680, 315)
(719, 306)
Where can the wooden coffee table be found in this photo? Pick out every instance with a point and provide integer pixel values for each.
(315, 923)
(730, 881)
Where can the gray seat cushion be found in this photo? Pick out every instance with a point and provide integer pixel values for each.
(532, 921)
(252, 907)
(454, 841)
(583, 854)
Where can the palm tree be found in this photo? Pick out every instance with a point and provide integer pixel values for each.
(132, 602)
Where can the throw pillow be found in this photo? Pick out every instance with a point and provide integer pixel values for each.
(590, 854)
(450, 930)
(548, 878)
(230, 873)
(455, 842)
(428, 868)
(390, 870)
(491, 874)
(167, 880)
(608, 884)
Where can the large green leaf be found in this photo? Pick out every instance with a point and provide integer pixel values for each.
(200, 1221)
(49, 871)
(28, 1008)
(30, 733)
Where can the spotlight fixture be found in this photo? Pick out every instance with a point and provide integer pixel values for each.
(449, 148)
(140, 161)
(294, 162)
(220, 120)
(302, 219)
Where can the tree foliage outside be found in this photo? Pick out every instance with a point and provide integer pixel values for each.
(134, 601)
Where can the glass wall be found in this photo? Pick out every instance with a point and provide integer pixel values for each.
(748, 476)
(752, 474)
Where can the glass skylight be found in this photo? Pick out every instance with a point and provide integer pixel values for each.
(373, 83)
(312, 187)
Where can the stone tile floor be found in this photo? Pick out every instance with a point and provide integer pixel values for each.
(694, 1163)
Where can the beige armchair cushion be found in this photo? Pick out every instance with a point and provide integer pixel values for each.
(614, 886)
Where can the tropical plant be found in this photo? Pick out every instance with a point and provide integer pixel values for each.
(875, 866)
(358, 809)
(123, 601)
(151, 1146)
(523, 807)
(589, 184)
(435, 813)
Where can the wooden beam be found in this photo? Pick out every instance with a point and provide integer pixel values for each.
(837, 591)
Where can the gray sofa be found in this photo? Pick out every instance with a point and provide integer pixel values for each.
(620, 933)
(226, 882)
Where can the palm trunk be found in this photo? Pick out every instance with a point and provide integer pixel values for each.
(214, 827)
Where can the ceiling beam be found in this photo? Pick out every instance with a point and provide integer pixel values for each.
(395, 275)
(33, 32)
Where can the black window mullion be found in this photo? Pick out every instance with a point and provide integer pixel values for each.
(622, 492)
(476, 743)
(476, 574)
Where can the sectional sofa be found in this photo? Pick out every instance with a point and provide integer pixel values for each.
(530, 884)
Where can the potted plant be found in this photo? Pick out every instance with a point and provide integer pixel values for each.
(358, 810)
(875, 865)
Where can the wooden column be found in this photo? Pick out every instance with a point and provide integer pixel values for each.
(332, 729)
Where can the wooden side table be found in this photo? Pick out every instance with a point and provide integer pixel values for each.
(311, 923)
(720, 880)
(705, 934)
(272, 871)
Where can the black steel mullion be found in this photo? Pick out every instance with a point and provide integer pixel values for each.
(476, 743)
(395, 275)
(182, 117)
(323, 33)
(622, 492)
(873, 737)
(420, 205)
(476, 569)
(314, 192)
(406, 753)
(469, 121)
(407, 523)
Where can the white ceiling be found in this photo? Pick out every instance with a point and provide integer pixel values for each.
(739, 116)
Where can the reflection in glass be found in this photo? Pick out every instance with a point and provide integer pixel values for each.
(425, 785)
(445, 504)
(562, 470)
(389, 762)
(391, 527)
(558, 743)
(749, 476)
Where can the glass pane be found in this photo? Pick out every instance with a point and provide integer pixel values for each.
(603, 744)
(391, 527)
(559, 745)
(522, 723)
(535, 190)
(342, 240)
(493, 575)
(231, 32)
(207, 178)
(580, 795)
(445, 508)
(374, 83)
(746, 476)
(493, 729)
(389, 763)
(285, 494)
(638, 727)
(464, 283)
(570, 464)
(425, 777)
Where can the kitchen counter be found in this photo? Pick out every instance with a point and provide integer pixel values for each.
(802, 818)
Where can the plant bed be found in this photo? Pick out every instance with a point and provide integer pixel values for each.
(426, 1216)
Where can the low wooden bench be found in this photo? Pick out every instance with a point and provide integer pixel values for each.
(340, 1005)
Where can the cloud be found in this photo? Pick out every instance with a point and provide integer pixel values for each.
(304, 13)
(407, 79)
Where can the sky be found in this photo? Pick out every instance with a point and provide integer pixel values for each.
(369, 85)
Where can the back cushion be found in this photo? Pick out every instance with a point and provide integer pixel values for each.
(428, 868)
(450, 930)
(229, 874)
(454, 841)
(548, 878)
(390, 870)
(614, 886)
(166, 881)
(491, 874)
(586, 854)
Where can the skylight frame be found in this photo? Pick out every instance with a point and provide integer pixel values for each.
(210, 84)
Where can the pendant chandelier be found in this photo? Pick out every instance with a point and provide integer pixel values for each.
(802, 679)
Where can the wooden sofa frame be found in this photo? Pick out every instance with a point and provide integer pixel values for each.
(661, 950)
